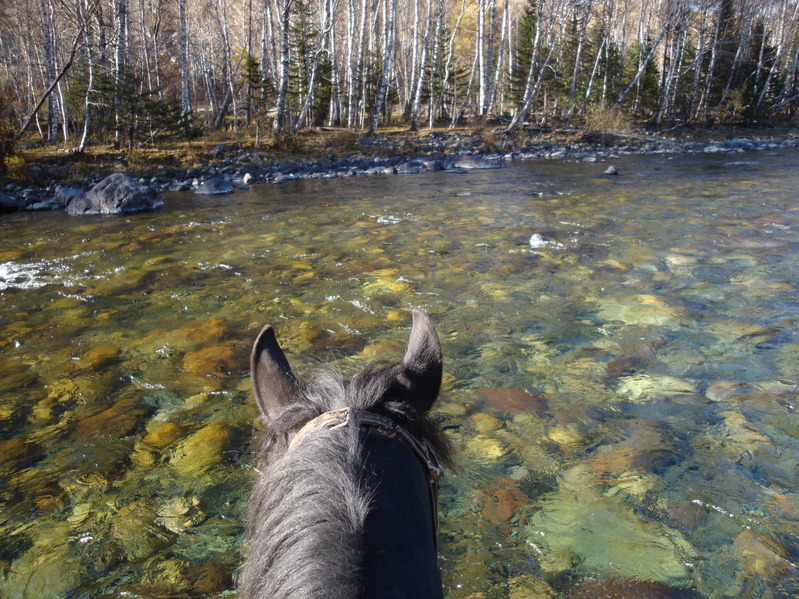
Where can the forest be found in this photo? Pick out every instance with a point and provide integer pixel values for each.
(82, 72)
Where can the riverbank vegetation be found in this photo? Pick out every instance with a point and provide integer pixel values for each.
(134, 73)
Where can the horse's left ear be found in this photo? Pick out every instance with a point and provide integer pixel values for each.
(273, 382)
(422, 364)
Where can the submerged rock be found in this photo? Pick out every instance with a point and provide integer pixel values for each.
(180, 513)
(99, 357)
(50, 568)
(579, 524)
(640, 309)
(485, 448)
(217, 361)
(202, 450)
(527, 586)
(513, 401)
(628, 588)
(116, 194)
(485, 423)
(501, 502)
(645, 387)
(210, 578)
(565, 437)
(120, 420)
(763, 554)
(136, 532)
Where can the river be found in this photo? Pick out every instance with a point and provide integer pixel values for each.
(621, 373)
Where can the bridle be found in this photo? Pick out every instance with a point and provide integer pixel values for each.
(387, 428)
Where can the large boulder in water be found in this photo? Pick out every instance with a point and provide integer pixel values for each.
(215, 186)
(116, 194)
(8, 204)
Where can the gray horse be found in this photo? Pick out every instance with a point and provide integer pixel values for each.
(346, 502)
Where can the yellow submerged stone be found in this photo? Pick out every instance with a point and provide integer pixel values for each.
(201, 451)
(485, 447)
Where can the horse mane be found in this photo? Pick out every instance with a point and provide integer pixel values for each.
(313, 496)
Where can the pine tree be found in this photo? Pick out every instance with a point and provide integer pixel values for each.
(644, 102)
(524, 52)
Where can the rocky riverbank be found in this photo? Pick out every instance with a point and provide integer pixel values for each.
(230, 168)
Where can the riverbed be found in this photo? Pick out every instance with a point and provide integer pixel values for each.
(621, 372)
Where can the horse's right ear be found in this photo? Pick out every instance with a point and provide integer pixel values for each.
(273, 382)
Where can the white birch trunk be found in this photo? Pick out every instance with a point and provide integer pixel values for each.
(481, 59)
(350, 71)
(83, 19)
(183, 48)
(388, 52)
(643, 63)
(120, 58)
(50, 70)
(284, 17)
(419, 78)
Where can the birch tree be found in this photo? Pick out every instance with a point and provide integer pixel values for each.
(422, 64)
(46, 8)
(388, 50)
(183, 46)
(284, 23)
(546, 30)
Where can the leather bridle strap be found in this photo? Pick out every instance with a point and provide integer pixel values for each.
(388, 428)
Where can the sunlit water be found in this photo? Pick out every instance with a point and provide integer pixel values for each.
(622, 361)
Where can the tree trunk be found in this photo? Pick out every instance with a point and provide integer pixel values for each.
(643, 64)
(777, 60)
(583, 24)
(496, 86)
(349, 73)
(183, 45)
(536, 73)
(419, 77)
(321, 48)
(227, 69)
(83, 19)
(388, 50)
(448, 62)
(119, 63)
(489, 58)
(480, 55)
(32, 115)
(284, 18)
(49, 58)
(434, 63)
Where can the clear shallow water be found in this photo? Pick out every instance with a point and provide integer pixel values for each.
(621, 396)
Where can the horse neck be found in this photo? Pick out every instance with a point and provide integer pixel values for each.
(400, 557)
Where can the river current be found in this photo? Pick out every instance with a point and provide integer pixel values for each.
(621, 373)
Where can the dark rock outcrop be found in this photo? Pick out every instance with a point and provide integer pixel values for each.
(116, 194)
(8, 204)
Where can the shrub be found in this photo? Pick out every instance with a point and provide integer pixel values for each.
(601, 119)
(7, 146)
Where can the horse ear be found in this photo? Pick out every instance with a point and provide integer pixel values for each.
(273, 382)
(422, 364)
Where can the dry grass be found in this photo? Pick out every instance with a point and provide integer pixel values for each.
(599, 119)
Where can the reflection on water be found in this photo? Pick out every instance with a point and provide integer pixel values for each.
(621, 375)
